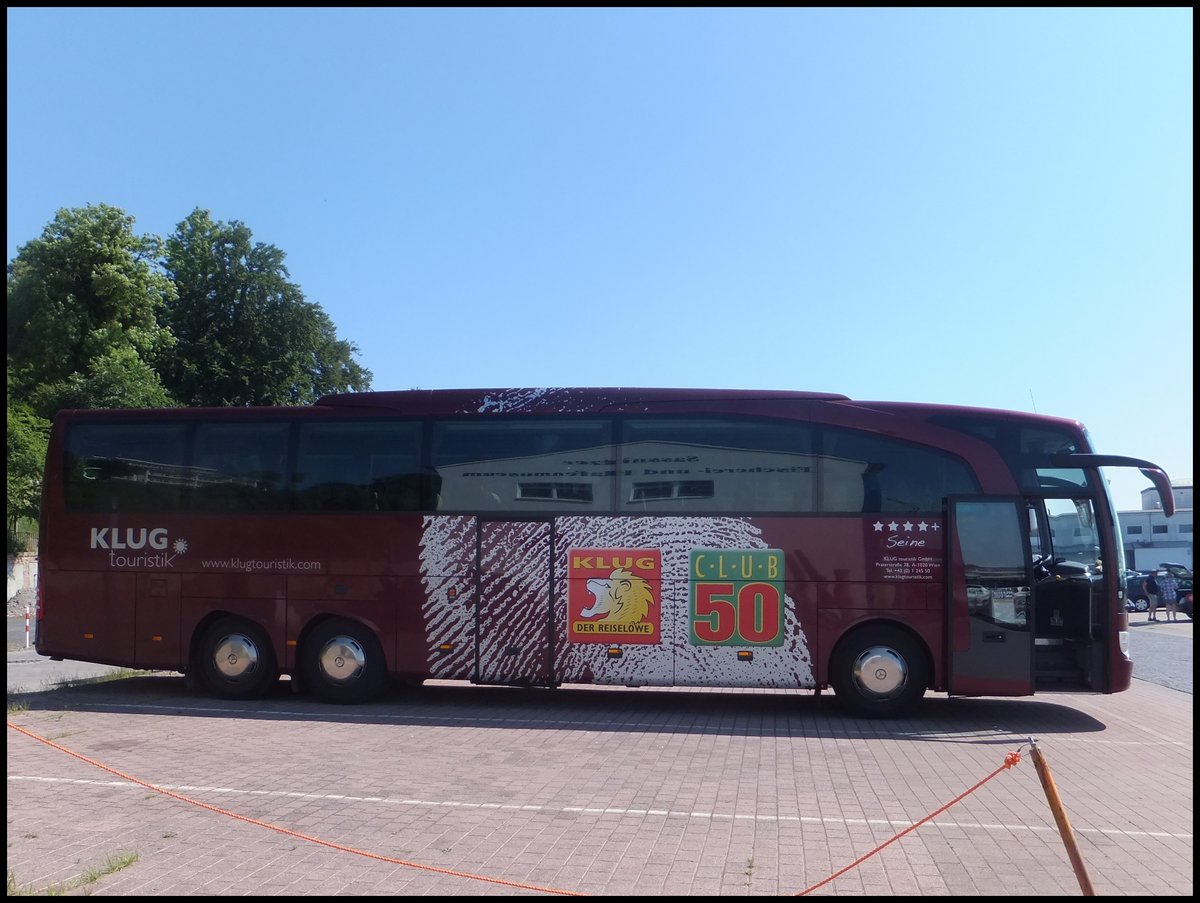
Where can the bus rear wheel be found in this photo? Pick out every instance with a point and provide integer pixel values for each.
(343, 663)
(236, 660)
(879, 672)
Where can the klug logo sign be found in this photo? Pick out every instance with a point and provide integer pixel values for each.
(614, 595)
(154, 544)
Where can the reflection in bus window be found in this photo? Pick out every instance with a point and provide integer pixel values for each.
(716, 464)
(993, 564)
(125, 467)
(248, 461)
(1073, 530)
(367, 466)
(870, 473)
(523, 465)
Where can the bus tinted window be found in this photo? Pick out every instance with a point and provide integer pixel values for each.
(865, 472)
(241, 467)
(723, 464)
(524, 465)
(1073, 531)
(716, 464)
(124, 467)
(368, 466)
(1026, 449)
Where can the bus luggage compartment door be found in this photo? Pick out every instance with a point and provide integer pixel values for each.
(513, 611)
(990, 603)
(156, 622)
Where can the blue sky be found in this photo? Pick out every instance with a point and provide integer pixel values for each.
(988, 207)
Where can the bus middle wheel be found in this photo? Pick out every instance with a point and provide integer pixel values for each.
(236, 660)
(343, 662)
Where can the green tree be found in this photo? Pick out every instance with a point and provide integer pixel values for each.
(246, 333)
(116, 379)
(27, 435)
(84, 301)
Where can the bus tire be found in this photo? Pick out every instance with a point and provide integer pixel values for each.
(236, 660)
(879, 672)
(343, 662)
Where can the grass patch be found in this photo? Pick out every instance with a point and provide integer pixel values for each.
(113, 864)
(116, 674)
(69, 683)
(18, 698)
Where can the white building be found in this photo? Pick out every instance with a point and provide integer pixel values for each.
(1150, 538)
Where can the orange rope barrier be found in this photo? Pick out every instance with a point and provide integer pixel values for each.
(1010, 760)
(290, 833)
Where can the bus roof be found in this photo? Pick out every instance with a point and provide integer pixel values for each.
(612, 399)
(922, 410)
(556, 399)
(575, 400)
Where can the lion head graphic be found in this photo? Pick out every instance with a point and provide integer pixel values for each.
(622, 598)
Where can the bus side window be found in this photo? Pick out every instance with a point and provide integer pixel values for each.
(715, 463)
(360, 465)
(868, 473)
(125, 467)
(396, 484)
(243, 466)
(332, 483)
(523, 465)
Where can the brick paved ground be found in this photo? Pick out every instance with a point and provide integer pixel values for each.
(594, 791)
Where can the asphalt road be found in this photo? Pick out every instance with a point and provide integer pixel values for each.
(1162, 651)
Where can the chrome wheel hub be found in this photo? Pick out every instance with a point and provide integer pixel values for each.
(236, 656)
(880, 672)
(342, 660)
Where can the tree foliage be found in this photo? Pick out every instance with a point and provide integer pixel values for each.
(27, 435)
(118, 378)
(99, 317)
(246, 333)
(87, 290)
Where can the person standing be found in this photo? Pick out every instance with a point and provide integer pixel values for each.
(1168, 594)
(1150, 588)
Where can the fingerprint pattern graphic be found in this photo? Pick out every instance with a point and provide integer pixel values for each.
(514, 618)
(448, 548)
(546, 400)
(515, 560)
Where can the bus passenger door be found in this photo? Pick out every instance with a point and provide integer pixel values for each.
(512, 618)
(990, 620)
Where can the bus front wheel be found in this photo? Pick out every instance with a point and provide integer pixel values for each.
(879, 672)
(343, 662)
(236, 660)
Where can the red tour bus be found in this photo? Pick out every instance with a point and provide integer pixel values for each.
(539, 537)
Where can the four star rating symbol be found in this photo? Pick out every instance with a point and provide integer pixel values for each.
(907, 526)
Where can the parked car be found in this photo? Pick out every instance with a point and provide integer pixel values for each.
(1135, 596)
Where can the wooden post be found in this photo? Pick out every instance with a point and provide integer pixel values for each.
(1060, 816)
